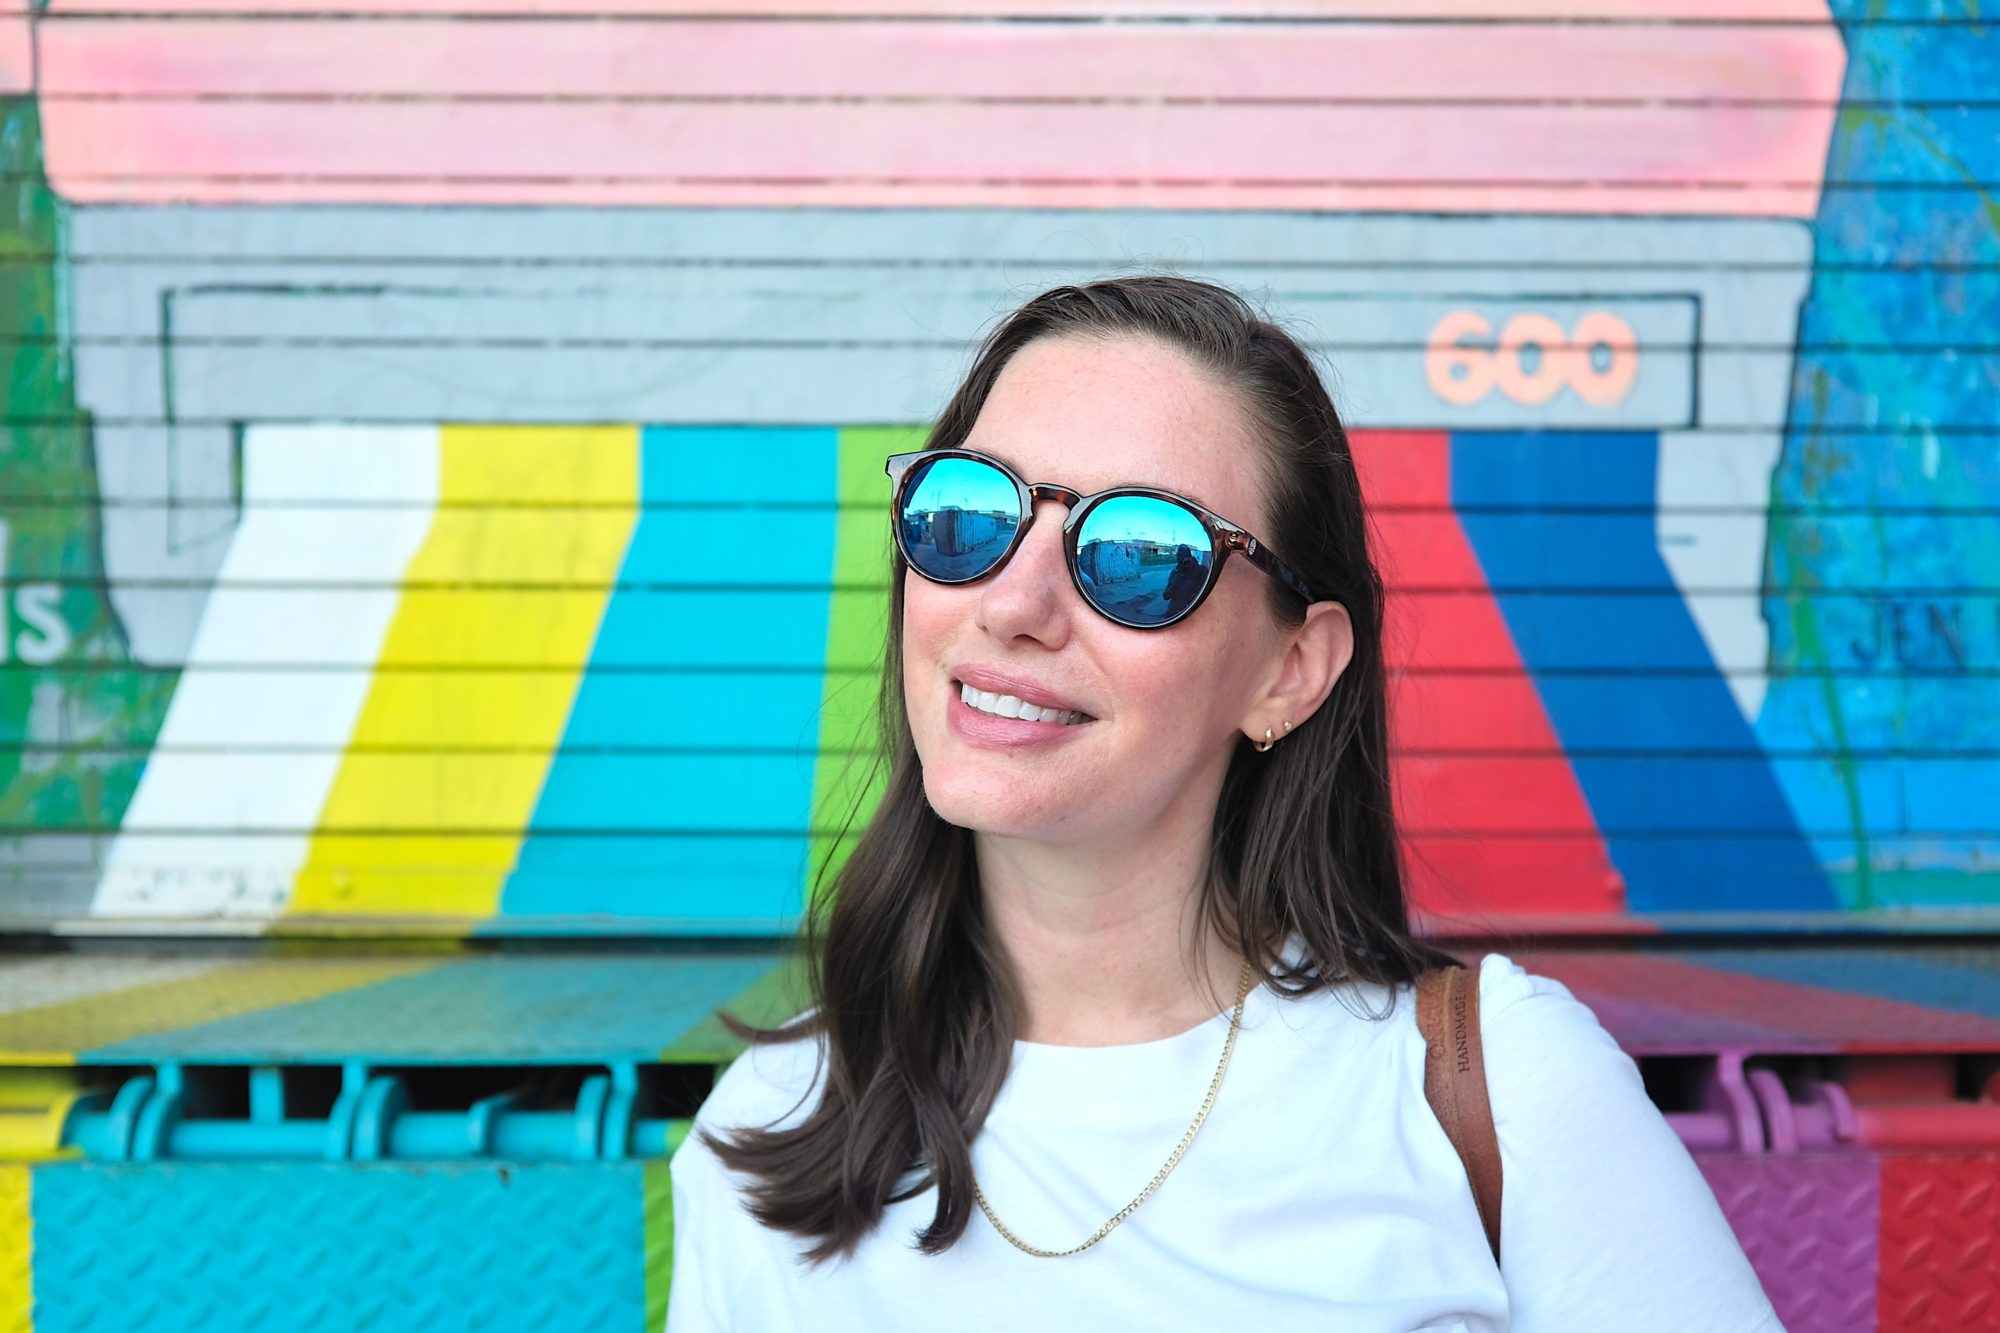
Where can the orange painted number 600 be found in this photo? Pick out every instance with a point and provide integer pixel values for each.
(1462, 372)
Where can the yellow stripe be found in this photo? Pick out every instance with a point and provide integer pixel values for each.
(35, 1104)
(435, 832)
(17, 1248)
(52, 1034)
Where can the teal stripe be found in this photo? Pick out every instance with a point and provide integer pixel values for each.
(753, 735)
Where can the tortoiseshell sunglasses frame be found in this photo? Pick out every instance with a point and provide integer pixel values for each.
(1224, 537)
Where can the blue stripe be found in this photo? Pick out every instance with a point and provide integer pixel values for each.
(1901, 975)
(1652, 629)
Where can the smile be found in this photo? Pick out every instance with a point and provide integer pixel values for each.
(1006, 705)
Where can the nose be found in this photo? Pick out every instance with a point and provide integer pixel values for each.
(1028, 594)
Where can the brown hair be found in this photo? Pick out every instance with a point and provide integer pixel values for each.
(914, 1000)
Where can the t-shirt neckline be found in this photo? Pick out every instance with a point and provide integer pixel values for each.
(1133, 1074)
(1044, 1074)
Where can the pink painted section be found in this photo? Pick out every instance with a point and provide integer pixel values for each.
(1657, 1027)
(1817, 1018)
(1763, 11)
(1691, 152)
(875, 60)
(17, 49)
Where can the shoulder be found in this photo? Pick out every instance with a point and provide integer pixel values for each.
(1570, 1108)
(1541, 1043)
(1514, 1000)
(1606, 1218)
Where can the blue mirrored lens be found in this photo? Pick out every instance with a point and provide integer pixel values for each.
(959, 516)
(1143, 561)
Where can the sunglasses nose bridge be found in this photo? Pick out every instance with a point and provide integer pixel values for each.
(1063, 495)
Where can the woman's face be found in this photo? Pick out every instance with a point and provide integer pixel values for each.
(1167, 705)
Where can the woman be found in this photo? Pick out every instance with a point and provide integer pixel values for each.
(1186, 581)
(1112, 1025)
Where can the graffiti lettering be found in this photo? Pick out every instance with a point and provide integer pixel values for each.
(1914, 635)
(46, 636)
(1597, 360)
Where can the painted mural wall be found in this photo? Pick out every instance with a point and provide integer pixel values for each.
(441, 472)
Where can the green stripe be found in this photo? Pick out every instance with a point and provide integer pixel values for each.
(768, 1001)
(657, 1203)
(849, 778)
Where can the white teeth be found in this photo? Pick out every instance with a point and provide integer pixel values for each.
(1007, 705)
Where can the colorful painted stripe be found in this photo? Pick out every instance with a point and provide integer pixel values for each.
(1445, 115)
(61, 1032)
(17, 61)
(17, 1248)
(656, 1223)
(849, 782)
(478, 672)
(37, 982)
(1525, 792)
(683, 786)
(277, 673)
(1699, 1006)
(1644, 12)
(1628, 748)
(1964, 982)
(504, 1247)
(543, 1009)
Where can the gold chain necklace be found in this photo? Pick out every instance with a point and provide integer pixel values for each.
(1235, 1023)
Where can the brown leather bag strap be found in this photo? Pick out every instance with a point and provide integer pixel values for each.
(1455, 1083)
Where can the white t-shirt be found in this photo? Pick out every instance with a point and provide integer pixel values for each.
(1321, 1192)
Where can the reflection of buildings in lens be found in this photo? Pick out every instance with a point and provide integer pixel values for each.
(956, 531)
(1111, 561)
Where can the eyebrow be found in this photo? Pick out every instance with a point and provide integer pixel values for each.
(1154, 485)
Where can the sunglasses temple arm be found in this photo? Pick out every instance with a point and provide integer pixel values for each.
(1261, 556)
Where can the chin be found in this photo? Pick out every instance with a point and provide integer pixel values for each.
(969, 807)
(956, 803)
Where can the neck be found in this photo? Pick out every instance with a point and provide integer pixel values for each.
(1107, 946)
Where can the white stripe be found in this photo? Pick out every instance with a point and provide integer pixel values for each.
(32, 983)
(249, 817)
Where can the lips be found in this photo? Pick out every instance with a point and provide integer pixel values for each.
(1027, 691)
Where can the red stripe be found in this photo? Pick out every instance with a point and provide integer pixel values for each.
(1525, 791)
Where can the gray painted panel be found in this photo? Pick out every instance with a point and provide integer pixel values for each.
(888, 301)
(47, 876)
(162, 539)
(1039, 239)
(938, 277)
(560, 356)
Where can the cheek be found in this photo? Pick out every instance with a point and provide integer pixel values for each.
(923, 625)
(1208, 681)
(1174, 687)
(928, 630)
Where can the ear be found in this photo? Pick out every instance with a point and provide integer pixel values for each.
(1314, 656)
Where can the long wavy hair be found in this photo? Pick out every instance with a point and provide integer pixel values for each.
(914, 1002)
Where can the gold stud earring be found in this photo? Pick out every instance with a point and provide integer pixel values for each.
(1270, 738)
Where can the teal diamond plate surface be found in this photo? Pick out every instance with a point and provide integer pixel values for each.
(491, 1247)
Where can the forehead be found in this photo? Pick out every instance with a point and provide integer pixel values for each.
(1091, 414)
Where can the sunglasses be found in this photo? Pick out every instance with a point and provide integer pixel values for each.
(1141, 557)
